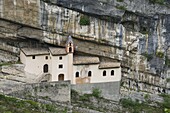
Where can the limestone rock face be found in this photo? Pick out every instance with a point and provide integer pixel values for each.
(114, 7)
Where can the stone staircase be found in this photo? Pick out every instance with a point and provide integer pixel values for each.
(45, 77)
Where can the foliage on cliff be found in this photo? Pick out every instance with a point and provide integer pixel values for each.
(84, 20)
(157, 1)
(14, 105)
(148, 106)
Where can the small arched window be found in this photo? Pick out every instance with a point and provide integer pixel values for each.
(112, 73)
(89, 74)
(104, 73)
(77, 74)
(45, 68)
(33, 57)
(70, 49)
(60, 58)
(70, 44)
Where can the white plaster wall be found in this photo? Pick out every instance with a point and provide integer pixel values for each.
(22, 57)
(1, 8)
(97, 74)
(55, 67)
(70, 67)
(108, 77)
(83, 71)
(35, 66)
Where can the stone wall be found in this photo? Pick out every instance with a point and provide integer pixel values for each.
(47, 91)
(109, 90)
(60, 91)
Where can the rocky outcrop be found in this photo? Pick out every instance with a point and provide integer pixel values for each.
(114, 7)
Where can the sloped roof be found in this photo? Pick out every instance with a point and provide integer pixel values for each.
(35, 51)
(69, 40)
(57, 51)
(105, 65)
(77, 60)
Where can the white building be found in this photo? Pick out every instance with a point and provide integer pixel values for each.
(61, 64)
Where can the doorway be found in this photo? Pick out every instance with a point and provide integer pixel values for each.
(60, 77)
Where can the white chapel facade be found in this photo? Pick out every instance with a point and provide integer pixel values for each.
(62, 64)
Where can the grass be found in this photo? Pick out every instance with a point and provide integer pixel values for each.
(136, 107)
(128, 105)
(5, 64)
(14, 105)
(166, 103)
(9, 63)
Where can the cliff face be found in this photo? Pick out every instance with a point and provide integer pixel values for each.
(136, 32)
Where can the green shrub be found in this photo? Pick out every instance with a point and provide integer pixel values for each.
(147, 97)
(84, 20)
(50, 107)
(33, 104)
(159, 54)
(85, 97)
(148, 56)
(15, 105)
(96, 93)
(167, 61)
(157, 1)
(166, 103)
(126, 103)
(168, 80)
(5, 63)
(120, 0)
(137, 107)
(121, 7)
(167, 110)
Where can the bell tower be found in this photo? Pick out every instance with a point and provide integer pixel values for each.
(69, 51)
(69, 45)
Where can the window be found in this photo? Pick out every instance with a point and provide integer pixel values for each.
(77, 74)
(60, 58)
(33, 57)
(112, 73)
(45, 68)
(104, 73)
(60, 66)
(70, 44)
(89, 74)
(70, 49)
(46, 57)
(61, 77)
